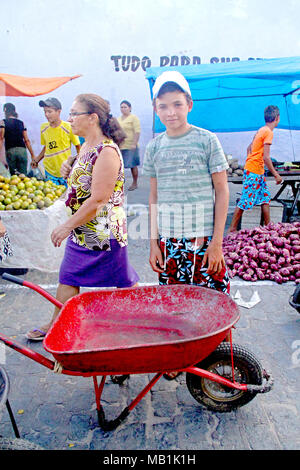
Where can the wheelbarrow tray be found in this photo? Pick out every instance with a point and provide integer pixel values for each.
(144, 329)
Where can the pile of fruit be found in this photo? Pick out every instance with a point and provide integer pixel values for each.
(21, 192)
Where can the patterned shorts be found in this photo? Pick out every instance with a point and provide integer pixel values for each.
(183, 265)
(255, 191)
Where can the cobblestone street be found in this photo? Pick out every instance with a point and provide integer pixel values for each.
(58, 412)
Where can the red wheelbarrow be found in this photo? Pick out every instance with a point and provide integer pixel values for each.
(152, 330)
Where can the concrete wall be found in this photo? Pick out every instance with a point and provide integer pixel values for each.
(111, 42)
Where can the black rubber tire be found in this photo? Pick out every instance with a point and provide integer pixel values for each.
(295, 299)
(296, 295)
(217, 397)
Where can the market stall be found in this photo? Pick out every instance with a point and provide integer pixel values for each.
(288, 193)
(227, 97)
(29, 229)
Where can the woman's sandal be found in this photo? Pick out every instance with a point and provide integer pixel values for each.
(38, 337)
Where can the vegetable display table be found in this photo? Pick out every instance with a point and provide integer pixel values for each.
(291, 180)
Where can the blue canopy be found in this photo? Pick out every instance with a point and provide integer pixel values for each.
(232, 96)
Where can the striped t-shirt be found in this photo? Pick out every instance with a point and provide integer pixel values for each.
(57, 142)
(183, 167)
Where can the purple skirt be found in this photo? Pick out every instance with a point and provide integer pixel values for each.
(88, 268)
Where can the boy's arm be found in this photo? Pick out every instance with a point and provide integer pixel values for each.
(214, 253)
(156, 258)
(41, 155)
(269, 164)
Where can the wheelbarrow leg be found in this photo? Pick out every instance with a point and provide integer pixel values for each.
(113, 424)
(12, 419)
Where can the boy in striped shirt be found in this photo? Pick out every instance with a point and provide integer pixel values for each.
(189, 192)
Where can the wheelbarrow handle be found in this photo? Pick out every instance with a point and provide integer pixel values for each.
(11, 278)
(22, 282)
(35, 356)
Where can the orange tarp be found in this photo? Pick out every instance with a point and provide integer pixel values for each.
(15, 85)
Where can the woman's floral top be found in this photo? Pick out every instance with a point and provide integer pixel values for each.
(95, 235)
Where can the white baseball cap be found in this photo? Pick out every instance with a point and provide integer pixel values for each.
(171, 76)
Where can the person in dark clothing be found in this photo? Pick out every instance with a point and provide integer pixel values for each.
(14, 133)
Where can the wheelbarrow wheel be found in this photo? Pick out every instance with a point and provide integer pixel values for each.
(295, 299)
(217, 397)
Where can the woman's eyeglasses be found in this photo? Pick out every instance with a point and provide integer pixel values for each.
(74, 114)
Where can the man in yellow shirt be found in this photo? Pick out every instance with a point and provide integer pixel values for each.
(129, 148)
(57, 138)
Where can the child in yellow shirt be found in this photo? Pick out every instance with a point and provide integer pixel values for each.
(57, 138)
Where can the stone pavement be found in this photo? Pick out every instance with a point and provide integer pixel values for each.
(58, 411)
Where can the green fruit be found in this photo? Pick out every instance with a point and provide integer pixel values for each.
(40, 204)
(9, 207)
(32, 206)
(17, 205)
(47, 202)
(13, 188)
(25, 205)
(7, 201)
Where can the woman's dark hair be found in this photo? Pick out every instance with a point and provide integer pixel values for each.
(108, 124)
(9, 110)
(126, 102)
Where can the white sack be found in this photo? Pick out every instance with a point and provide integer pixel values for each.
(29, 232)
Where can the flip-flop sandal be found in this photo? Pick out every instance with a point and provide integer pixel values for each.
(36, 338)
(174, 375)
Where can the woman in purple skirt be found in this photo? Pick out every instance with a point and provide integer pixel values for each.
(96, 248)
